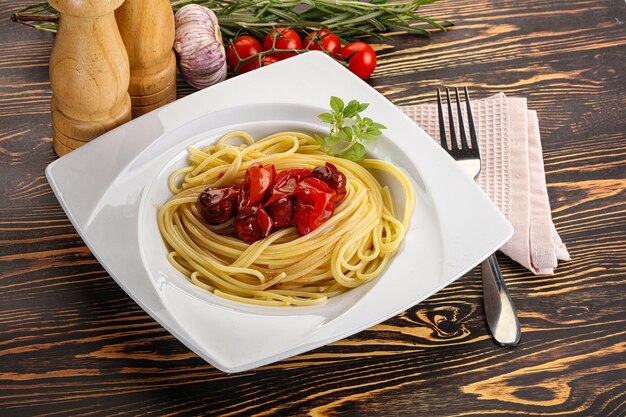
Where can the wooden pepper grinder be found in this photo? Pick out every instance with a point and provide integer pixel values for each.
(147, 28)
(89, 73)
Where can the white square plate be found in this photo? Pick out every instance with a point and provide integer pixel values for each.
(112, 187)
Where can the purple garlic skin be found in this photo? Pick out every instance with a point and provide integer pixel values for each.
(199, 46)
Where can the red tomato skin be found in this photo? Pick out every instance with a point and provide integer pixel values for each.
(217, 205)
(264, 62)
(282, 212)
(315, 203)
(286, 38)
(361, 58)
(252, 224)
(286, 182)
(332, 177)
(258, 182)
(329, 42)
(246, 46)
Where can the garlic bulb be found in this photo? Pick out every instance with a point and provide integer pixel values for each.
(199, 46)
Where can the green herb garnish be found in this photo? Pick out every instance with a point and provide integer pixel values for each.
(348, 130)
(345, 18)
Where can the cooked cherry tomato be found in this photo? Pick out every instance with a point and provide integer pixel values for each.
(324, 40)
(282, 212)
(252, 224)
(217, 205)
(286, 182)
(361, 58)
(333, 178)
(264, 62)
(258, 182)
(285, 38)
(315, 202)
(245, 46)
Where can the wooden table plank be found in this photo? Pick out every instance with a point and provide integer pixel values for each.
(73, 343)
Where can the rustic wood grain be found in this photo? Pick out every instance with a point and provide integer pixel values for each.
(73, 343)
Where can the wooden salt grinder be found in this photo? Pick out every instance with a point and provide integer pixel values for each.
(147, 28)
(89, 73)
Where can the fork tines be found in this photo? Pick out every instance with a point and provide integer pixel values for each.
(466, 149)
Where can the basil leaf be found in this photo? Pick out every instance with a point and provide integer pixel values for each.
(332, 140)
(355, 153)
(326, 117)
(351, 109)
(336, 104)
(348, 130)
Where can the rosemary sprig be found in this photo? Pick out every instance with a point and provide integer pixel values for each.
(39, 12)
(346, 18)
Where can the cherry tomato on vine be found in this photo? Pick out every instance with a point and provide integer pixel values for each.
(361, 58)
(264, 62)
(245, 46)
(324, 40)
(282, 38)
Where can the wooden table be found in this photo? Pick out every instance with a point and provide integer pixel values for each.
(73, 343)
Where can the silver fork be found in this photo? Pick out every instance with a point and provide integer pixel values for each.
(499, 309)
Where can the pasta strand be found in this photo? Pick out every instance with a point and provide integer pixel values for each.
(351, 248)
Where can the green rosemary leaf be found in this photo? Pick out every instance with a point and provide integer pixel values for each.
(346, 18)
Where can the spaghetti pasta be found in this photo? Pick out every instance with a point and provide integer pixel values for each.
(351, 248)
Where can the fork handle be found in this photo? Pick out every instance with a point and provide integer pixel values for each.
(499, 309)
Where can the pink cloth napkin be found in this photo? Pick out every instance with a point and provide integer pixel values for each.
(512, 175)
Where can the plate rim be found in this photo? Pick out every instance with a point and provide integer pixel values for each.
(303, 347)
